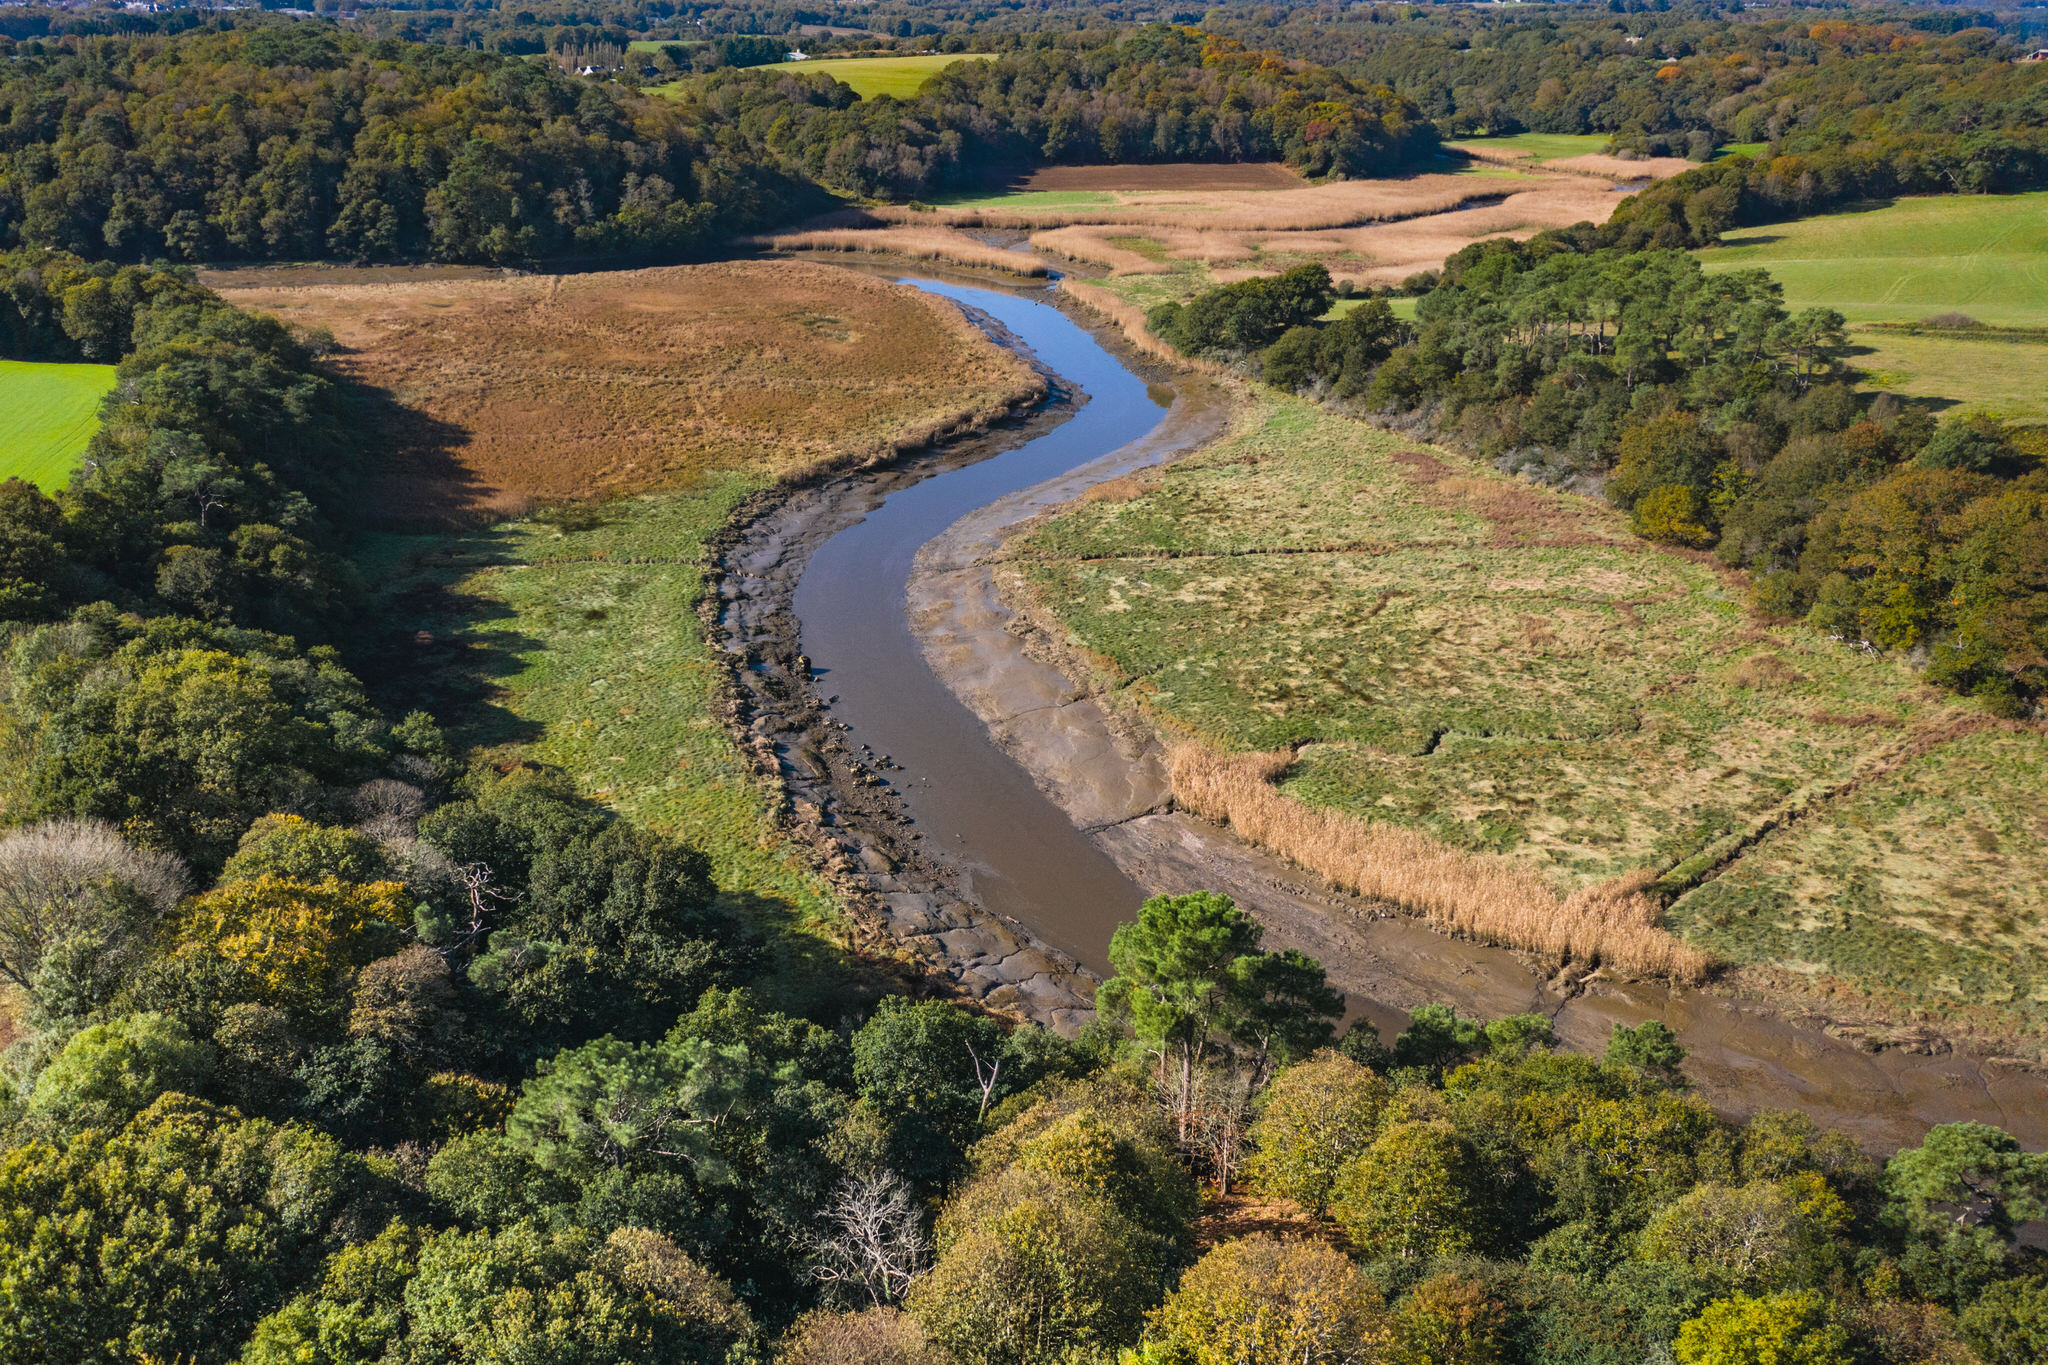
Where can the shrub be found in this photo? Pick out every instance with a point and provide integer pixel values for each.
(1778, 1329)
(1260, 1298)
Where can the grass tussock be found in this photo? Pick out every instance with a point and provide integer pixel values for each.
(1473, 895)
(920, 243)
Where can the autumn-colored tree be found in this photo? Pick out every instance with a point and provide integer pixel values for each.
(1318, 1115)
(1260, 1298)
(300, 942)
(1448, 1320)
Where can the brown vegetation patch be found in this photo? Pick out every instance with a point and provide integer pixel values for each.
(557, 388)
(1480, 896)
(1420, 465)
(1765, 670)
(1227, 1217)
(1621, 168)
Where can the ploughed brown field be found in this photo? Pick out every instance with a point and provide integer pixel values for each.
(504, 393)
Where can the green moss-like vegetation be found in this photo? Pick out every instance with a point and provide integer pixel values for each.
(1506, 668)
(47, 414)
(902, 77)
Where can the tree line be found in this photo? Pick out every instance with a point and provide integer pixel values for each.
(1710, 414)
(264, 140)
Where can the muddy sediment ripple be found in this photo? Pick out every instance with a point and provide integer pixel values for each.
(981, 806)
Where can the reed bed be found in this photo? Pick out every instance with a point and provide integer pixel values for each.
(1475, 896)
(1094, 245)
(920, 243)
(1130, 320)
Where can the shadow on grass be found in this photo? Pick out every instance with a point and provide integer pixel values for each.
(804, 974)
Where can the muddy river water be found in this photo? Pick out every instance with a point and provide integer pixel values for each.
(1038, 808)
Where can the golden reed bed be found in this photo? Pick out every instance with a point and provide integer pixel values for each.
(920, 243)
(1478, 896)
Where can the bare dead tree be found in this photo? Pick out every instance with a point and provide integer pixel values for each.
(985, 1074)
(1222, 1116)
(71, 876)
(875, 1243)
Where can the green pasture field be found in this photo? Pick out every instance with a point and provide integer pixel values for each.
(1404, 308)
(584, 634)
(1741, 149)
(1981, 255)
(871, 76)
(1539, 146)
(1507, 668)
(1029, 199)
(47, 414)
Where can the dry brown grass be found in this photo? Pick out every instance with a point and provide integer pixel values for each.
(1477, 896)
(1163, 175)
(1621, 168)
(919, 243)
(544, 389)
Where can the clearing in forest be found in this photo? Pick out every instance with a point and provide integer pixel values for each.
(1983, 258)
(509, 392)
(47, 415)
(1206, 224)
(1576, 152)
(1434, 647)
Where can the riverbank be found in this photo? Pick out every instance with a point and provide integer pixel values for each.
(1098, 759)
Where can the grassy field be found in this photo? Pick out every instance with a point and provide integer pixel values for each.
(1539, 146)
(869, 76)
(47, 414)
(1982, 255)
(1504, 669)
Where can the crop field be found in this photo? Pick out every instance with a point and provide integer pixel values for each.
(538, 389)
(1983, 256)
(570, 637)
(47, 414)
(1427, 646)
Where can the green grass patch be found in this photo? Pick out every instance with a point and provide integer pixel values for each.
(47, 415)
(1029, 199)
(1403, 308)
(1741, 149)
(1981, 254)
(902, 77)
(583, 639)
(1506, 668)
(1539, 147)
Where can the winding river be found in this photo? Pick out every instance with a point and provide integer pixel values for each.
(1050, 818)
(1019, 854)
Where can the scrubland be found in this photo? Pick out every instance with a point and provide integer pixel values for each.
(1489, 703)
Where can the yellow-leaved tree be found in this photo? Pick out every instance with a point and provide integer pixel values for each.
(301, 942)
